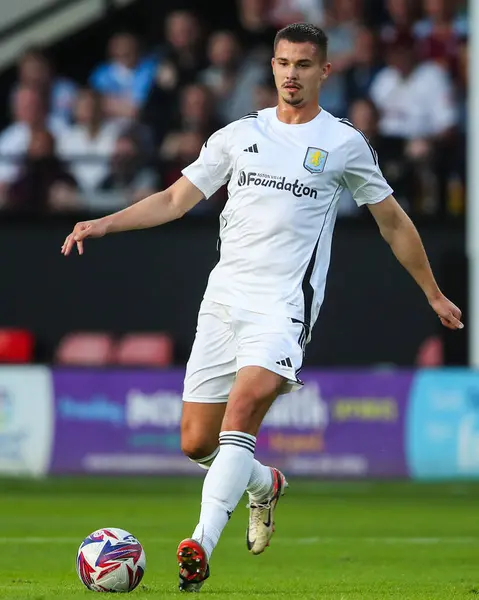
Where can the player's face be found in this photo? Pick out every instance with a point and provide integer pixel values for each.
(299, 70)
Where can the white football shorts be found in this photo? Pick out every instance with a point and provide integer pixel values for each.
(228, 339)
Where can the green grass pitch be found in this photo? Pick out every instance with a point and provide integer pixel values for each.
(333, 541)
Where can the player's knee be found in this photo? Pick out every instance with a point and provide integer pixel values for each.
(198, 448)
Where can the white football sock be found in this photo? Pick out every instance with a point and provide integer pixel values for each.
(224, 485)
(260, 483)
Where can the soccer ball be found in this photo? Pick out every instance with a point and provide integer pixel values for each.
(111, 560)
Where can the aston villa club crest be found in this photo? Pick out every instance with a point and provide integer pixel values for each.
(315, 160)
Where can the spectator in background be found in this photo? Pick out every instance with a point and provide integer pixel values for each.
(430, 353)
(30, 115)
(43, 183)
(197, 110)
(183, 149)
(366, 65)
(402, 16)
(343, 20)
(35, 68)
(181, 146)
(284, 12)
(224, 56)
(130, 178)
(231, 76)
(416, 100)
(126, 78)
(257, 30)
(179, 61)
(417, 103)
(391, 151)
(196, 115)
(88, 145)
(439, 35)
(182, 55)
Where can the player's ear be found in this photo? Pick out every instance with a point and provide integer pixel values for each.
(326, 70)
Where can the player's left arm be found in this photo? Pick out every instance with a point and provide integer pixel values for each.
(401, 234)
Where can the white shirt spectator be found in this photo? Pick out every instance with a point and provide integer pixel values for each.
(14, 142)
(89, 157)
(420, 105)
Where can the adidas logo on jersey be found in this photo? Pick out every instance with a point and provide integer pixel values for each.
(253, 148)
(277, 182)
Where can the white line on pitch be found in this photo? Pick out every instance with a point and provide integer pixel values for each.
(379, 540)
(279, 539)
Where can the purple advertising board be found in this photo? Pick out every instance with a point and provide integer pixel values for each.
(341, 424)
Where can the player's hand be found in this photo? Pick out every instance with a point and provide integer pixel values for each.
(448, 313)
(81, 231)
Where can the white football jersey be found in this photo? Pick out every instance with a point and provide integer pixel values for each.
(284, 183)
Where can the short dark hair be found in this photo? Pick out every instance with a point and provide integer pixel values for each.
(299, 33)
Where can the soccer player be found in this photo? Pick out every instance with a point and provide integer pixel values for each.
(285, 168)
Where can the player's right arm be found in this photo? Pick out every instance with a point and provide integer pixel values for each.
(157, 209)
(200, 180)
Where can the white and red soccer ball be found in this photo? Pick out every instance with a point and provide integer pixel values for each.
(111, 560)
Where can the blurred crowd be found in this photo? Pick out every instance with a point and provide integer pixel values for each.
(399, 74)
